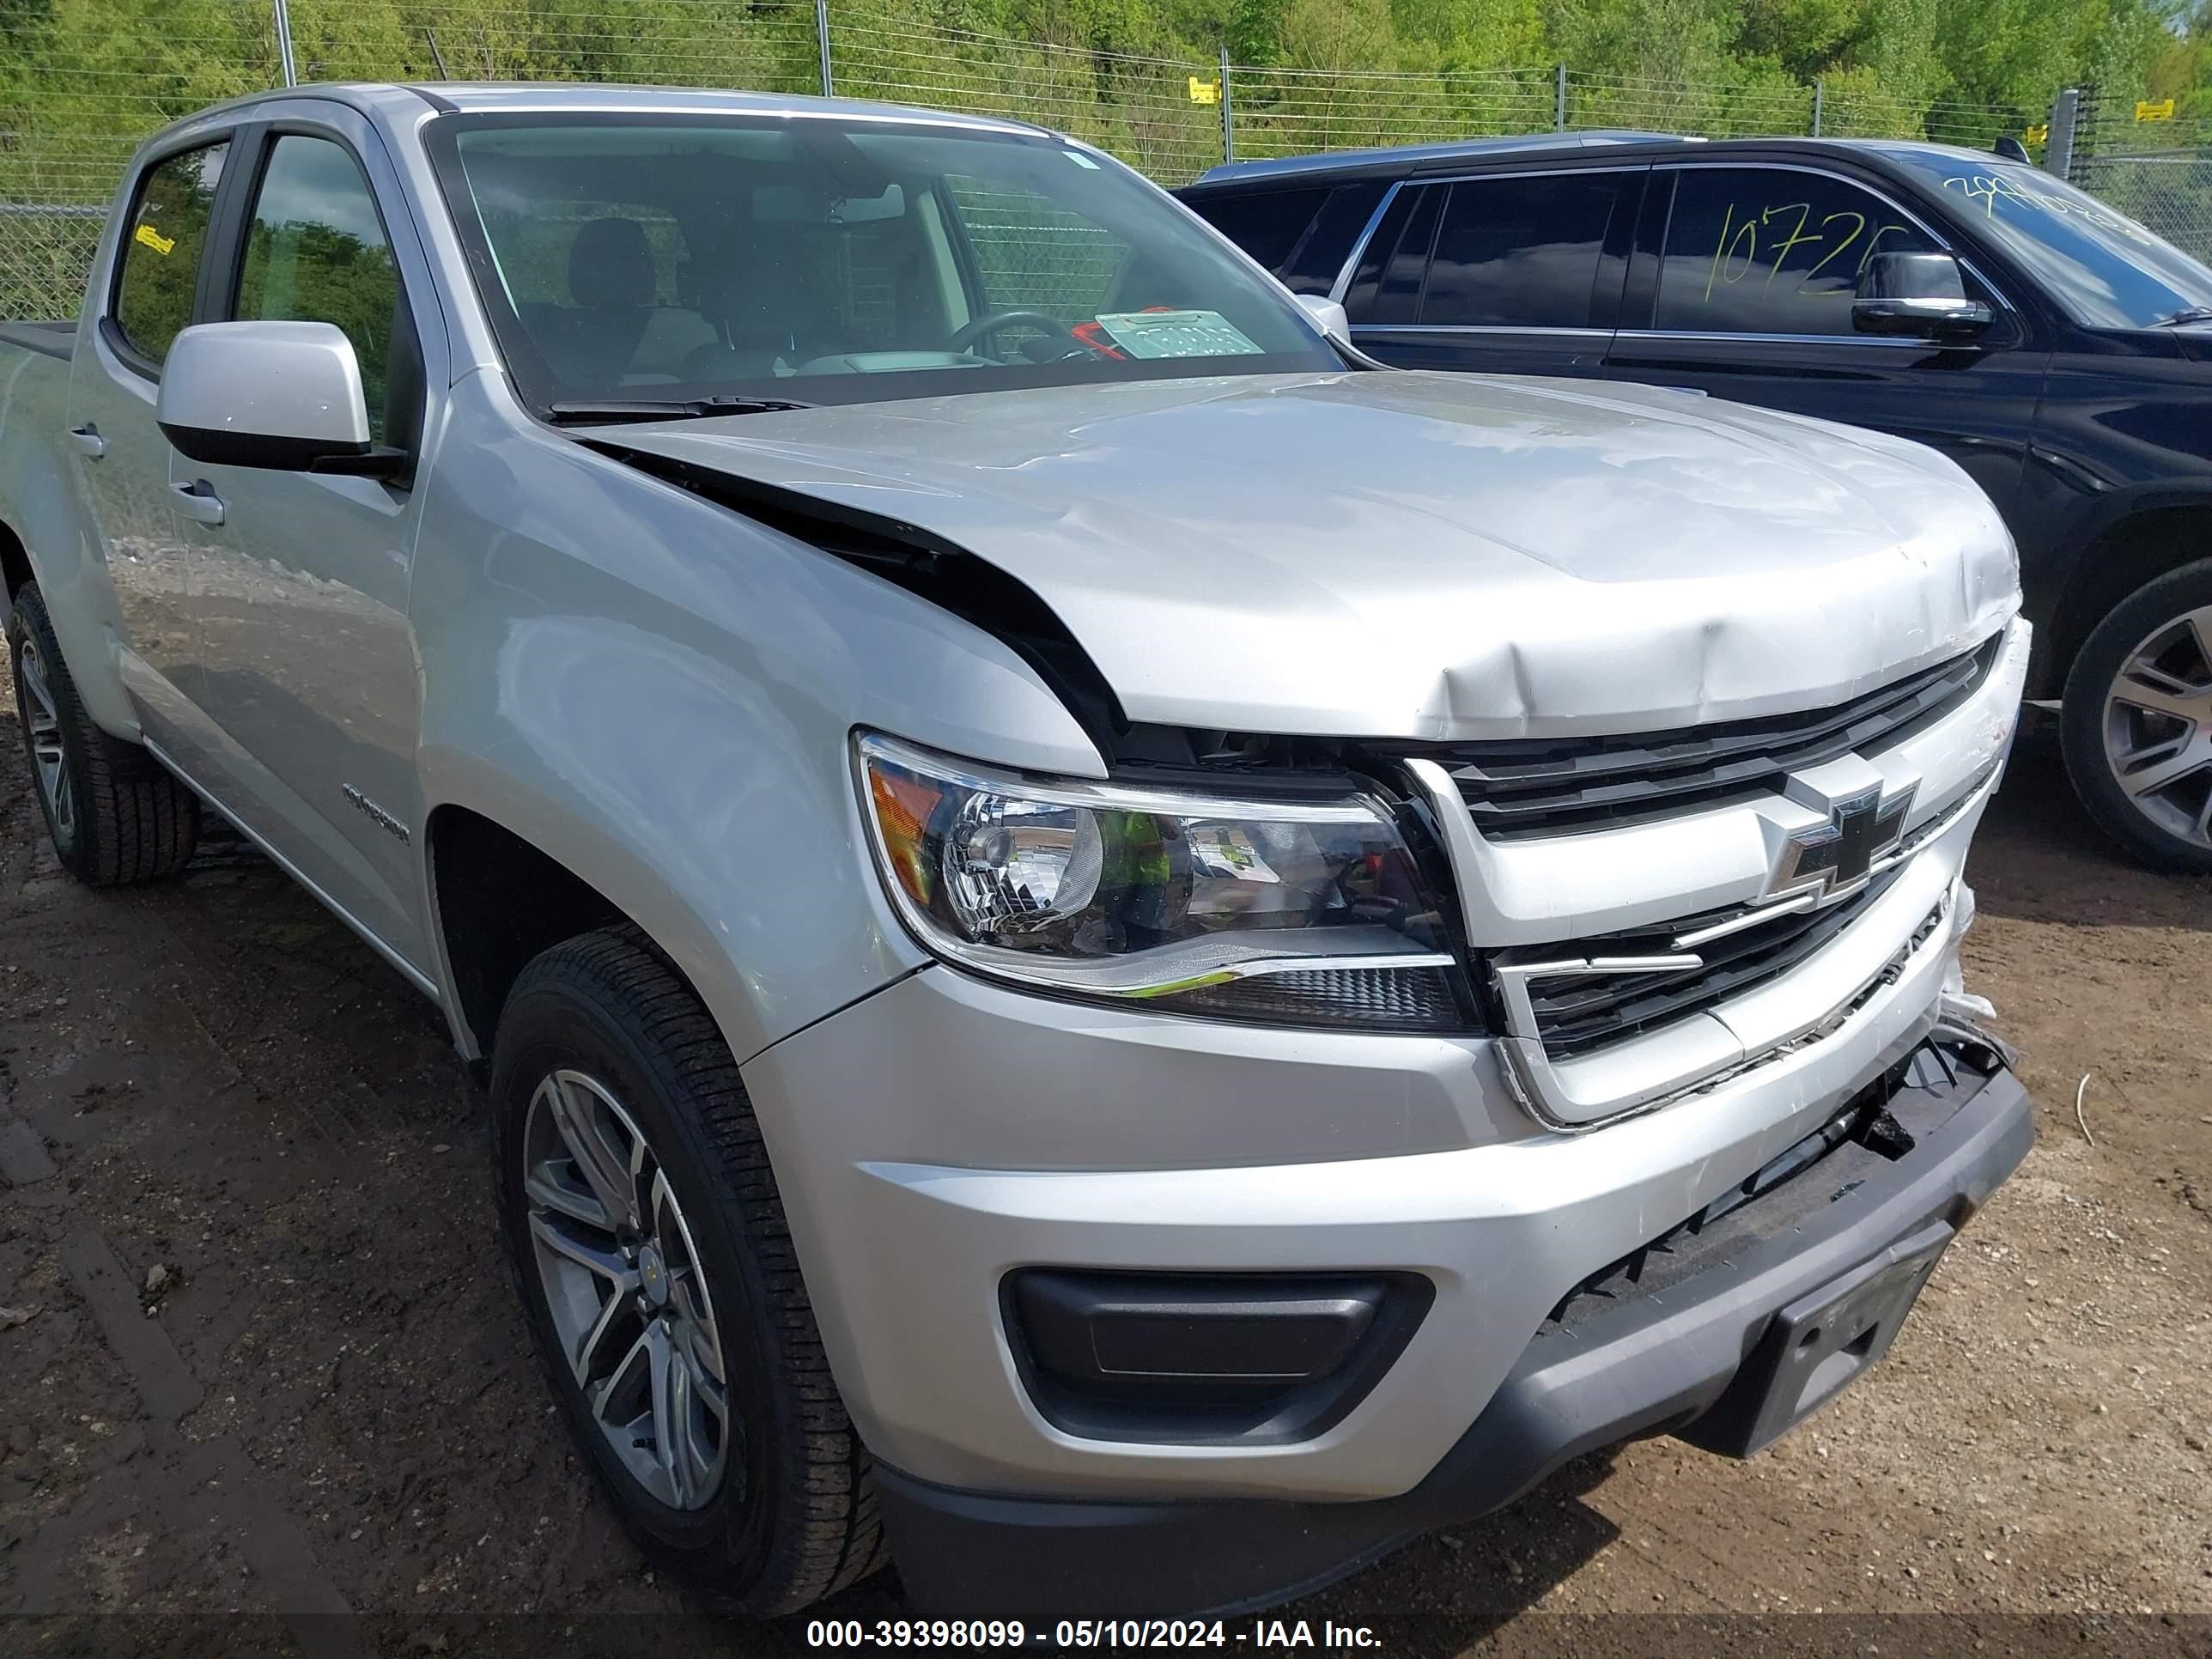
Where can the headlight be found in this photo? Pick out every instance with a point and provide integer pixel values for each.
(1307, 912)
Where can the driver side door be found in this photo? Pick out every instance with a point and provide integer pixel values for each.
(1741, 284)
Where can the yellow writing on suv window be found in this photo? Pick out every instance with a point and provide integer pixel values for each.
(147, 236)
(1737, 253)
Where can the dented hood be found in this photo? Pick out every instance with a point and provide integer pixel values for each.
(1422, 555)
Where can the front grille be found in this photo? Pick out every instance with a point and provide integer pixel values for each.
(1548, 785)
(1578, 1013)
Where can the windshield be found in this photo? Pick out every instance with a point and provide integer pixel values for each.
(2106, 269)
(630, 258)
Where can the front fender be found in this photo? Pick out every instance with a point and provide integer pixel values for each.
(661, 696)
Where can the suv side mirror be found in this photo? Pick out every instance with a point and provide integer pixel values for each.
(286, 396)
(1328, 315)
(1919, 294)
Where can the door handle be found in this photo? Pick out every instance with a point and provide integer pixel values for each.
(89, 441)
(197, 501)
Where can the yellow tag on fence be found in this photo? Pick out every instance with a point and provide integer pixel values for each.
(1205, 92)
(2161, 111)
(2038, 135)
(147, 236)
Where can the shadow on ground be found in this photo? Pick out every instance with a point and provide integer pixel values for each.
(2039, 857)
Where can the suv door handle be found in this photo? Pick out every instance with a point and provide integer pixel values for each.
(89, 441)
(197, 501)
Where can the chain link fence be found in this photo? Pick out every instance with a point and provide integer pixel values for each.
(69, 120)
(2152, 167)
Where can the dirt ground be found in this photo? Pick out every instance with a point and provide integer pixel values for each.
(328, 1408)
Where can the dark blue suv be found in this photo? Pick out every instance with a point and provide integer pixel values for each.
(2057, 350)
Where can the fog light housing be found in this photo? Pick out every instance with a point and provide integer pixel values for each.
(1206, 1359)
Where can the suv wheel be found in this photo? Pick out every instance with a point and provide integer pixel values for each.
(2137, 722)
(114, 813)
(649, 1247)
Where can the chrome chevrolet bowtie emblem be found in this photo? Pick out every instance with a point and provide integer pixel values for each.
(1835, 858)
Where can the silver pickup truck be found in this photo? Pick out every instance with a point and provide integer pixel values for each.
(1114, 953)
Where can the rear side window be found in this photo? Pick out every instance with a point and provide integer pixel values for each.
(1267, 224)
(1770, 251)
(1519, 252)
(1387, 288)
(161, 251)
(316, 252)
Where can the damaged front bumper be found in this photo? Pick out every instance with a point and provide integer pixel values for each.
(1681, 1337)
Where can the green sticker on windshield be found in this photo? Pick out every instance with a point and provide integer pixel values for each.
(1177, 334)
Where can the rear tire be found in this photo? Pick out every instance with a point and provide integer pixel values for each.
(669, 1257)
(115, 814)
(2135, 723)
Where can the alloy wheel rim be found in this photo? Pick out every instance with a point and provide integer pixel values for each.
(622, 1279)
(2158, 726)
(42, 723)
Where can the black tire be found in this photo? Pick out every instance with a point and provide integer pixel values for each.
(130, 818)
(2082, 720)
(802, 1523)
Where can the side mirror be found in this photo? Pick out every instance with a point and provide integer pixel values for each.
(1921, 295)
(1328, 316)
(286, 396)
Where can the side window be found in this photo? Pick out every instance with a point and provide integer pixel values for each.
(1387, 287)
(316, 252)
(1520, 252)
(1267, 224)
(1313, 266)
(1767, 250)
(161, 253)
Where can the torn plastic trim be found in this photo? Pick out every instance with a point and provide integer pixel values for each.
(922, 563)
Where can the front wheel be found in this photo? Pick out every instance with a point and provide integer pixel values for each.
(2136, 721)
(648, 1244)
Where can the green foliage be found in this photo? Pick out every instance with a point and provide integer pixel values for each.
(80, 80)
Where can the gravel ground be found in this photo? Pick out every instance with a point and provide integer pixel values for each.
(323, 1430)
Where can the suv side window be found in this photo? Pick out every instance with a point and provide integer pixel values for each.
(159, 268)
(316, 252)
(1315, 262)
(1520, 252)
(1772, 251)
(1387, 287)
(1267, 223)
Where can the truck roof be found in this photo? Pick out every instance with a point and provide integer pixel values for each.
(453, 97)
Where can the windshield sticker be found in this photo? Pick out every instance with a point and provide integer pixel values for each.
(147, 236)
(1080, 159)
(1177, 334)
(1989, 189)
